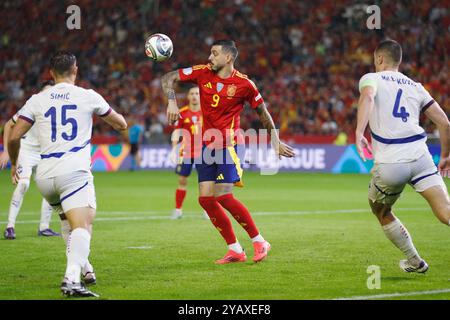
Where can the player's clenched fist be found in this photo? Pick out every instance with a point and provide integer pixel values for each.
(172, 112)
(4, 158)
(444, 167)
(361, 144)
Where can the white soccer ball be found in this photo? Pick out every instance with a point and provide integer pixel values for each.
(158, 47)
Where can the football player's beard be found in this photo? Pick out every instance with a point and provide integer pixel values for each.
(216, 68)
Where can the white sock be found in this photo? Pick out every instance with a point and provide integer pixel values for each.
(236, 247)
(258, 238)
(397, 233)
(46, 215)
(65, 231)
(77, 253)
(87, 268)
(16, 201)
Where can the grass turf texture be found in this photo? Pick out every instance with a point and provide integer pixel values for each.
(317, 252)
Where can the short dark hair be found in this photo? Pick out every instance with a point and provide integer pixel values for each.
(228, 46)
(62, 62)
(392, 49)
(46, 83)
(191, 86)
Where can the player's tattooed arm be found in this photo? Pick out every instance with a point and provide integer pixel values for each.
(167, 82)
(281, 148)
(266, 119)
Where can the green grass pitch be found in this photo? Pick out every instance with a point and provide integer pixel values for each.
(322, 233)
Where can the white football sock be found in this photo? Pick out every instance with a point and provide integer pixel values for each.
(236, 247)
(65, 231)
(87, 268)
(77, 253)
(16, 201)
(258, 238)
(46, 215)
(397, 233)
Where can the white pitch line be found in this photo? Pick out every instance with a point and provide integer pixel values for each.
(329, 211)
(197, 215)
(397, 294)
(34, 213)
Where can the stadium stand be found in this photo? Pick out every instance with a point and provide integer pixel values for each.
(306, 58)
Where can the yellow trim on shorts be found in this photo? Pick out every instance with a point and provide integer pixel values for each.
(236, 161)
(181, 154)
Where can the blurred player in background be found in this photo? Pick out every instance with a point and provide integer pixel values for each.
(135, 134)
(392, 103)
(29, 157)
(223, 92)
(63, 117)
(185, 152)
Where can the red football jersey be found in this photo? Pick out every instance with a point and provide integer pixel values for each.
(191, 122)
(222, 101)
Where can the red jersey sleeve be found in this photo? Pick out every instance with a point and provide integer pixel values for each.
(192, 74)
(254, 98)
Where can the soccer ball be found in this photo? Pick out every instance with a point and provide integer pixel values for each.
(158, 47)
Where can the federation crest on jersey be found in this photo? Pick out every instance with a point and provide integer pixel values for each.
(231, 91)
(219, 86)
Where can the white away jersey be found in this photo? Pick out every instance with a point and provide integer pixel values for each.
(29, 142)
(62, 116)
(394, 122)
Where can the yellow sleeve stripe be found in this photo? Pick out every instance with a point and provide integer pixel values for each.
(241, 75)
(253, 84)
(200, 66)
(368, 83)
(184, 109)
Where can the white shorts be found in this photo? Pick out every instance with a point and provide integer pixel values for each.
(70, 191)
(26, 163)
(389, 179)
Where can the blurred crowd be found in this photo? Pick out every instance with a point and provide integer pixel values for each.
(306, 57)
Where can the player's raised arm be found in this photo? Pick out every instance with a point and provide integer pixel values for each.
(439, 118)
(281, 148)
(167, 82)
(4, 157)
(18, 131)
(365, 105)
